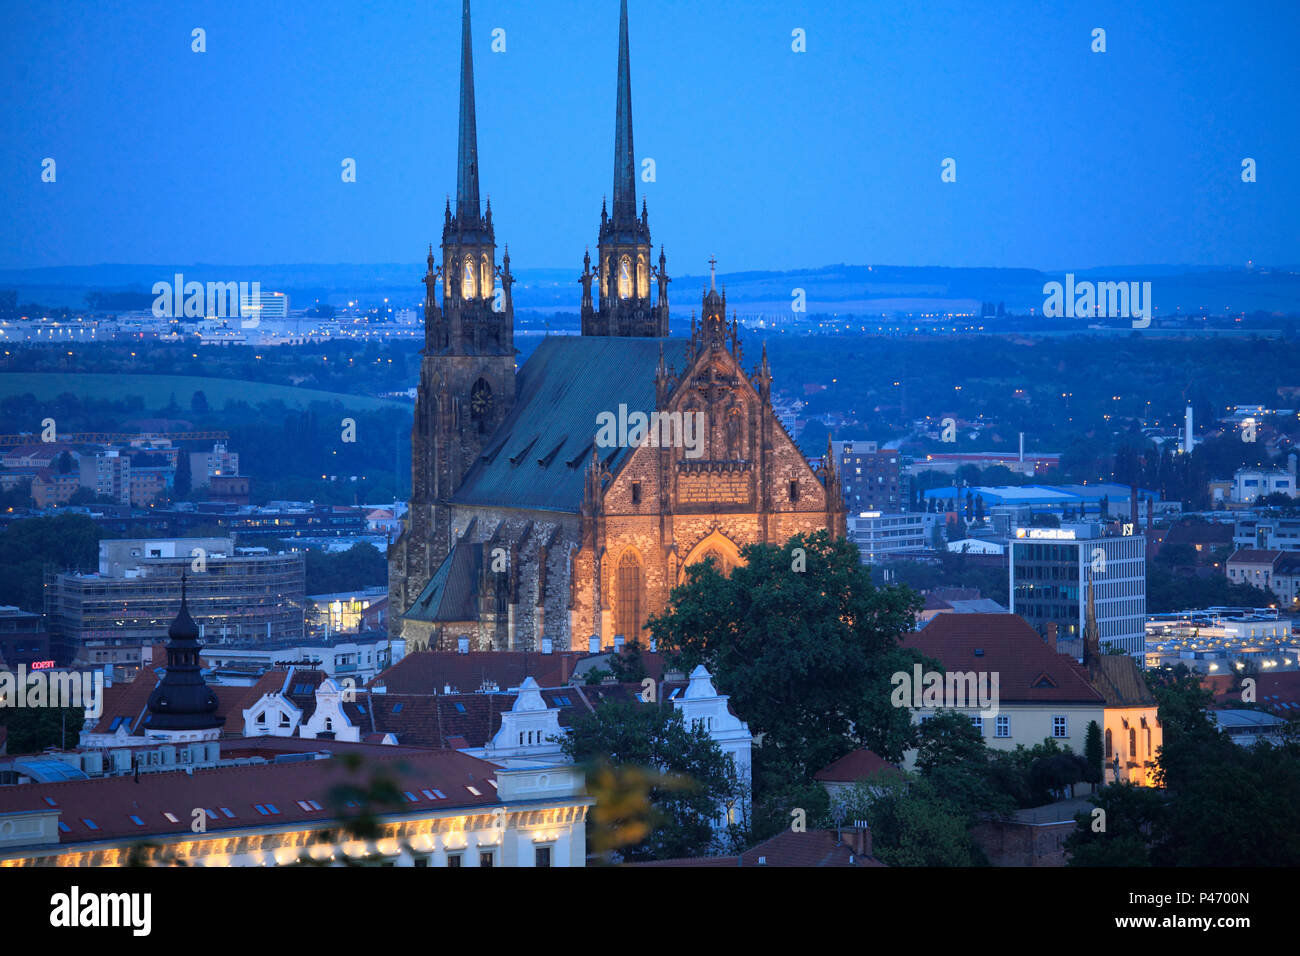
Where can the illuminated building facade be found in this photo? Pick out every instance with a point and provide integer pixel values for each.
(455, 810)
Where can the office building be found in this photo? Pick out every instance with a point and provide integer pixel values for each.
(233, 593)
(1049, 571)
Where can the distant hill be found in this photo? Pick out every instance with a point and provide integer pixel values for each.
(861, 289)
(156, 390)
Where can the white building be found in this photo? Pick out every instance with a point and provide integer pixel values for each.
(1251, 483)
(881, 536)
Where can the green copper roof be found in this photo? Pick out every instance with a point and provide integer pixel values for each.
(451, 593)
(539, 455)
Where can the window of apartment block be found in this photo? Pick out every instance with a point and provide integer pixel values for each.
(542, 856)
(453, 859)
(485, 858)
(1002, 726)
(978, 723)
(1060, 728)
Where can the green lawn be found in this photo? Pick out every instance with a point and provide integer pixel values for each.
(156, 390)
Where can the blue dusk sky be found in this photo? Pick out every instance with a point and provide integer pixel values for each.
(768, 158)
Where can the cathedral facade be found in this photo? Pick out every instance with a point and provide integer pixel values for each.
(530, 526)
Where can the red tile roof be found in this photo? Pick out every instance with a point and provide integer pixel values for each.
(101, 808)
(1254, 556)
(1028, 670)
(428, 672)
(1273, 692)
(854, 766)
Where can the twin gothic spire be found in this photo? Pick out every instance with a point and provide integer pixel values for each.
(625, 265)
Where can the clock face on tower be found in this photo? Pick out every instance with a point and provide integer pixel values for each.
(480, 404)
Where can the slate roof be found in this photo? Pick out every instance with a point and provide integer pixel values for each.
(452, 593)
(1120, 681)
(539, 454)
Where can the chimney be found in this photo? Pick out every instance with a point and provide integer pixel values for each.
(547, 646)
(857, 838)
(1133, 506)
(1187, 431)
(564, 669)
(618, 642)
(1051, 635)
(1150, 514)
(593, 644)
(1022, 448)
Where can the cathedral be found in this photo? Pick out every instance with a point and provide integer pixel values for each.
(528, 529)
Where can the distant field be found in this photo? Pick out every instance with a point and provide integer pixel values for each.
(156, 390)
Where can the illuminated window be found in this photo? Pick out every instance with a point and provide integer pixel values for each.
(625, 278)
(628, 603)
(467, 279)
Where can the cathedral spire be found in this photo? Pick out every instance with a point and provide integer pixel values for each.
(467, 156)
(1091, 633)
(624, 156)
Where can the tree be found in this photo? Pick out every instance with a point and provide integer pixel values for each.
(952, 756)
(199, 403)
(686, 776)
(628, 666)
(912, 822)
(66, 541)
(32, 729)
(1092, 754)
(64, 464)
(803, 643)
(183, 481)
(1122, 833)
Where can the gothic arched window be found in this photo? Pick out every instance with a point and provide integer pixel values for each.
(628, 604)
(1109, 745)
(467, 279)
(480, 405)
(486, 282)
(625, 278)
(719, 564)
(642, 278)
